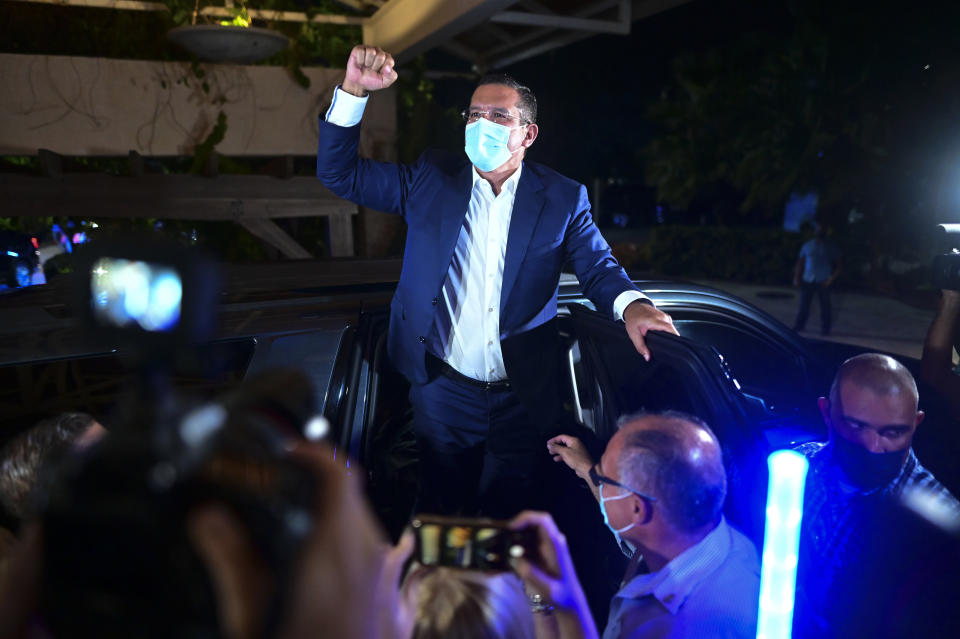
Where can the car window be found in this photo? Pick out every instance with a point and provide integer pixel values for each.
(314, 353)
(762, 367)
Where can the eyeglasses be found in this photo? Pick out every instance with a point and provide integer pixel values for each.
(597, 479)
(496, 116)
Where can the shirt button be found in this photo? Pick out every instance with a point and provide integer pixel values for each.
(435, 301)
(421, 339)
(490, 310)
(490, 342)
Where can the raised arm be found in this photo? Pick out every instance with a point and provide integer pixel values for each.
(937, 363)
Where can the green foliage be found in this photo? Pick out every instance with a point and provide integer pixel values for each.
(419, 117)
(829, 106)
(201, 152)
(764, 256)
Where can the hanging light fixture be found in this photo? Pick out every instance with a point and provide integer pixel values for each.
(230, 41)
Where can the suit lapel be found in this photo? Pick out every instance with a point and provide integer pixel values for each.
(527, 207)
(452, 203)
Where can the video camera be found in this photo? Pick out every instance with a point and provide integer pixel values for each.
(117, 558)
(946, 266)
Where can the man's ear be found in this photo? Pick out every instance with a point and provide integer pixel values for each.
(920, 416)
(642, 511)
(530, 136)
(824, 405)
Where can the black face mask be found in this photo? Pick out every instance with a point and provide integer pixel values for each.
(866, 470)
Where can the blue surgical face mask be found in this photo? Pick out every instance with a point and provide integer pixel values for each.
(486, 144)
(617, 532)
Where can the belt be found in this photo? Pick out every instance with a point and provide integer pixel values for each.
(442, 368)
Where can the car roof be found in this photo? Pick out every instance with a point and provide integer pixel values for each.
(259, 299)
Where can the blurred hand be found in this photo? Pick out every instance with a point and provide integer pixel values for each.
(398, 617)
(950, 298)
(640, 317)
(21, 582)
(553, 577)
(573, 453)
(335, 586)
(368, 69)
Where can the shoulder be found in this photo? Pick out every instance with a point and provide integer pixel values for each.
(923, 484)
(443, 161)
(552, 179)
(732, 588)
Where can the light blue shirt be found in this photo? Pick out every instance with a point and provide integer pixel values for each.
(711, 590)
(818, 258)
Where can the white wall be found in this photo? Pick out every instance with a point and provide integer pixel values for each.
(101, 106)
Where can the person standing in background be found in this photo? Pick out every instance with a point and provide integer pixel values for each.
(818, 266)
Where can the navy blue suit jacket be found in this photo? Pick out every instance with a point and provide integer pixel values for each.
(550, 225)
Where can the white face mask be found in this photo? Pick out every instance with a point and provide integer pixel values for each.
(606, 518)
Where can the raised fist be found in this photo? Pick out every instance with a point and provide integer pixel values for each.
(368, 69)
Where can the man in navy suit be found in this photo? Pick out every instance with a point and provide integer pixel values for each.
(473, 321)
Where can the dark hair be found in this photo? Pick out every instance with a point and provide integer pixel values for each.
(527, 102)
(25, 456)
(656, 460)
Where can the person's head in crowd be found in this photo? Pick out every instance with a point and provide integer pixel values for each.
(24, 457)
(448, 603)
(670, 483)
(871, 416)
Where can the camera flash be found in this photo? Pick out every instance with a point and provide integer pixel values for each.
(516, 551)
(317, 428)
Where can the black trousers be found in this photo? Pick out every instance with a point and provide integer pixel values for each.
(807, 290)
(480, 454)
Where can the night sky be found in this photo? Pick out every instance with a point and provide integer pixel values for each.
(898, 59)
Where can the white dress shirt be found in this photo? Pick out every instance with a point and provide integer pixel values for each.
(474, 344)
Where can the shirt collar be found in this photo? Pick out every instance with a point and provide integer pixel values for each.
(510, 185)
(672, 584)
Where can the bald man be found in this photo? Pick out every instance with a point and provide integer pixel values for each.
(661, 485)
(857, 478)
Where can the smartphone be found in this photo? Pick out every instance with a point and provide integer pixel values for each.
(475, 544)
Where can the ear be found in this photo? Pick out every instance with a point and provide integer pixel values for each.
(530, 136)
(920, 416)
(642, 511)
(824, 404)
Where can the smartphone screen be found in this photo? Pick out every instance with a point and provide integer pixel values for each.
(477, 544)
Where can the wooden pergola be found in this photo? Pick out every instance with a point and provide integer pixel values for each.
(252, 201)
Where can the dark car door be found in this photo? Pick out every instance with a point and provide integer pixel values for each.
(614, 380)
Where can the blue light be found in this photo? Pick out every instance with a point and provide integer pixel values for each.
(781, 541)
(13, 254)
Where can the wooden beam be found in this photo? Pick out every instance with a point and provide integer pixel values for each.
(341, 235)
(175, 196)
(407, 28)
(619, 27)
(269, 232)
(51, 163)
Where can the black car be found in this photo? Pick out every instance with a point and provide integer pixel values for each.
(750, 377)
(18, 259)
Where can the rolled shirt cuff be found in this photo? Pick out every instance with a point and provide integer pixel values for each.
(346, 109)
